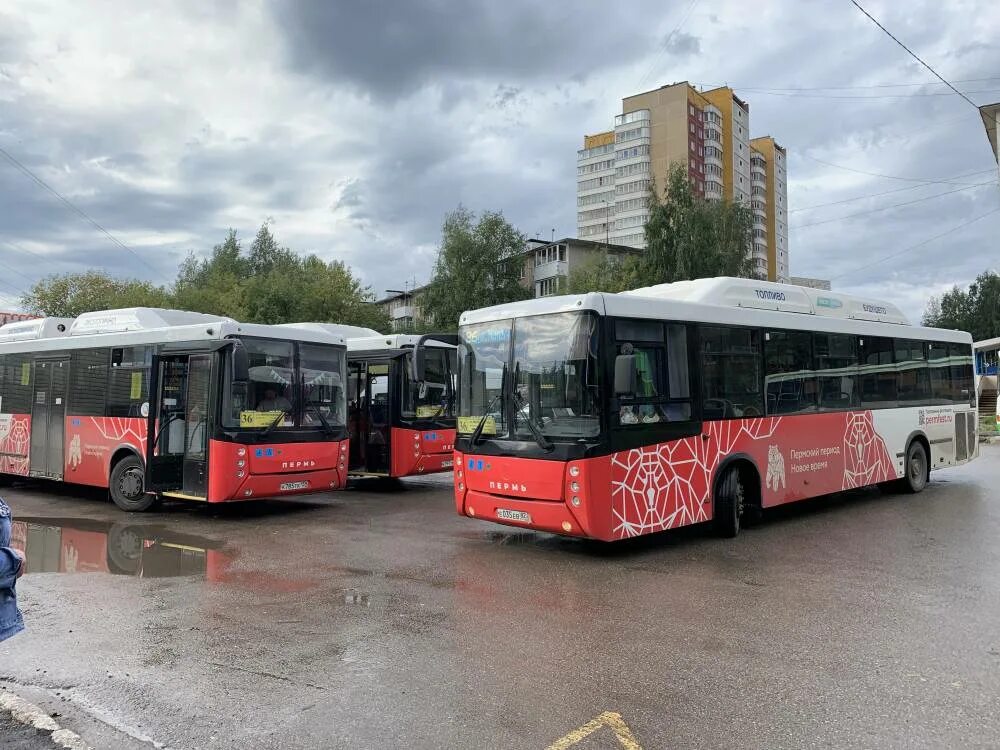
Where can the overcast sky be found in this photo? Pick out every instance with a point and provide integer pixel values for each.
(354, 127)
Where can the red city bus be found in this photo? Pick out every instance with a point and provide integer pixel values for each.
(401, 403)
(235, 410)
(614, 415)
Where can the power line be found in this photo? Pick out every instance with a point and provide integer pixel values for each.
(884, 258)
(928, 181)
(913, 54)
(666, 43)
(861, 87)
(15, 246)
(885, 192)
(886, 208)
(72, 206)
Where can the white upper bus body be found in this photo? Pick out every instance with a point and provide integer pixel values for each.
(733, 301)
(135, 326)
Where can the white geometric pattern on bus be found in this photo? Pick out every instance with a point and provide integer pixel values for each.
(866, 458)
(119, 429)
(664, 486)
(15, 438)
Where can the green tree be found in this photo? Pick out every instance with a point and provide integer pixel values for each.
(214, 284)
(605, 274)
(692, 238)
(976, 309)
(479, 264)
(69, 295)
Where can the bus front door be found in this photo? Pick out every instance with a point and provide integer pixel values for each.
(179, 420)
(369, 418)
(48, 411)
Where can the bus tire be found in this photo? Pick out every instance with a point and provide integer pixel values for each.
(915, 469)
(729, 496)
(126, 486)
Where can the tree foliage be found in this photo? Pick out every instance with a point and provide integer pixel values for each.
(69, 295)
(267, 284)
(479, 264)
(687, 237)
(976, 309)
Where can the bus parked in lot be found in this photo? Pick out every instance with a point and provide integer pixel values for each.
(613, 415)
(162, 403)
(401, 403)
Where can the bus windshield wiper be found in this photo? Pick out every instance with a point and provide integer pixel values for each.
(327, 427)
(478, 432)
(267, 430)
(543, 442)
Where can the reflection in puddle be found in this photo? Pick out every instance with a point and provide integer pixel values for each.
(55, 545)
(355, 598)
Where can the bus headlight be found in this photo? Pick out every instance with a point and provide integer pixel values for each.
(575, 486)
(576, 501)
(241, 451)
(574, 471)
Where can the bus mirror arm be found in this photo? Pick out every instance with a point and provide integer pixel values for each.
(626, 378)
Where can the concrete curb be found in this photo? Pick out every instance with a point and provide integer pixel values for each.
(30, 714)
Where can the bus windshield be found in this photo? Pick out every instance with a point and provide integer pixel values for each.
(435, 397)
(532, 374)
(291, 385)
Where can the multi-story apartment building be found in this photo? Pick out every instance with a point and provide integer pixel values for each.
(404, 308)
(547, 265)
(709, 131)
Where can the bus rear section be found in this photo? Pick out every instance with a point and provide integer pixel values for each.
(162, 403)
(613, 416)
(401, 404)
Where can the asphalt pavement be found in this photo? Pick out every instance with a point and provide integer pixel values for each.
(377, 618)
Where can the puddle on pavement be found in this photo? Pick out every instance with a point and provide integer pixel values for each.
(56, 545)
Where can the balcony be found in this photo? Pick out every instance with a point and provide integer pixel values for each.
(557, 267)
(403, 311)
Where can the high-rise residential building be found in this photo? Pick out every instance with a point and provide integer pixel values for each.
(709, 131)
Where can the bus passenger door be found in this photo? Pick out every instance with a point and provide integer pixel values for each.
(48, 411)
(356, 414)
(377, 449)
(179, 421)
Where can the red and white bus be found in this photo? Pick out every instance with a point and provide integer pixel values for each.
(613, 415)
(401, 403)
(234, 410)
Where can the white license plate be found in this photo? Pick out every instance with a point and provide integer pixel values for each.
(513, 515)
(288, 486)
(447, 464)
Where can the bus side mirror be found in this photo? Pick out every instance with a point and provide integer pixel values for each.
(241, 364)
(626, 376)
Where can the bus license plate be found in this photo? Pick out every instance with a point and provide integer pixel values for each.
(447, 464)
(513, 515)
(288, 486)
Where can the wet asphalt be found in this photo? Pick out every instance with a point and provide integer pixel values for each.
(377, 618)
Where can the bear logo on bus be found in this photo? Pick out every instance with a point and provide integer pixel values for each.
(775, 468)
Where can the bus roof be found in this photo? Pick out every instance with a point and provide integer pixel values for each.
(734, 301)
(379, 342)
(134, 326)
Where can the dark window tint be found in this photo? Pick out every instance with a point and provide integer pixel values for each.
(939, 372)
(962, 387)
(731, 382)
(836, 356)
(129, 384)
(789, 376)
(16, 384)
(878, 373)
(913, 379)
(88, 377)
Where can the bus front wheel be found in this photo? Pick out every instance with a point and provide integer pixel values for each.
(127, 486)
(729, 498)
(915, 470)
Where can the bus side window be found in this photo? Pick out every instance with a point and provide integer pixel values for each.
(940, 374)
(878, 373)
(911, 370)
(789, 375)
(837, 370)
(663, 391)
(963, 389)
(730, 368)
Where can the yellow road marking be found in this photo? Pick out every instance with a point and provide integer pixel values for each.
(608, 719)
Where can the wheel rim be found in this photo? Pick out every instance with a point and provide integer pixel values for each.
(917, 470)
(130, 484)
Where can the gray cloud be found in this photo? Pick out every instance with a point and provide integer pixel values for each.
(390, 48)
(683, 44)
